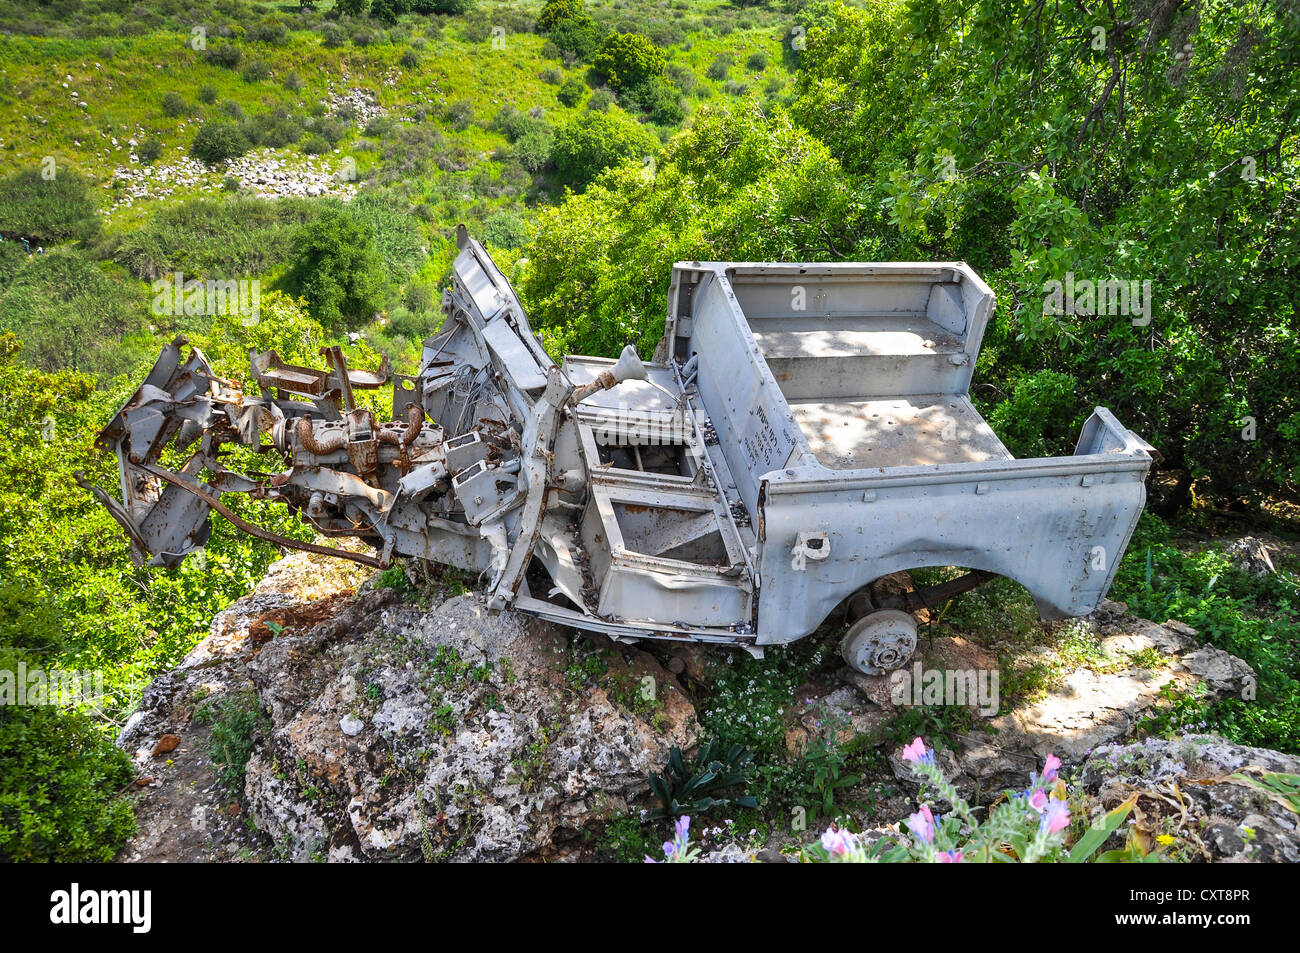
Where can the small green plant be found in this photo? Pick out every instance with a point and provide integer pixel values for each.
(395, 578)
(627, 839)
(236, 722)
(827, 763)
(702, 783)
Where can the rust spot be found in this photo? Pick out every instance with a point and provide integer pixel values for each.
(299, 618)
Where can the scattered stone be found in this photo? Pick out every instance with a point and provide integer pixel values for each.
(351, 725)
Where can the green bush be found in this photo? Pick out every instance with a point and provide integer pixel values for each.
(61, 785)
(505, 229)
(150, 149)
(720, 67)
(218, 142)
(339, 270)
(658, 99)
(224, 54)
(173, 104)
(627, 60)
(579, 37)
(314, 145)
(387, 11)
(1041, 418)
(255, 72)
(48, 210)
(571, 91)
(595, 141)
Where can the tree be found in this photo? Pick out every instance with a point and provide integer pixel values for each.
(1151, 146)
(595, 141)
(339, 270)
(387, 11)
(735, 185)
(628, 59)
(557, 11)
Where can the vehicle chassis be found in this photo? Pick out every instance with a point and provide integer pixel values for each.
(804, 432)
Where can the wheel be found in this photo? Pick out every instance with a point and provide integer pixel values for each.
(879, 642)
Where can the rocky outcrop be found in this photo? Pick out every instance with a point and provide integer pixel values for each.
(1132, 667)
(394, 732)
(1208, 798)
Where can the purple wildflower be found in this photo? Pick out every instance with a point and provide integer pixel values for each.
(922, 824)
(1056, 816)
(918, 753)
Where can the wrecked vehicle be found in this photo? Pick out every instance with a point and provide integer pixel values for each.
(804, 431)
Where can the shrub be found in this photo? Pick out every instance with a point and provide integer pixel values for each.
(555, 12)
(48, 211)
(658, 100)
(595, 141)
(314, 145)
(256, 71)
(600, 100)
(267, 31)
(150, 149)
(627, 60)
(580, 37)
(218, 142)
(459, 114)
(1039, 419)
(338, 269)
(410, 59)
(60, 784)
(532, 150)
(387, 11)
(173, 104)
(207, 94)
(224, 55)
(757, 61)
(720, 67)
(571, 91)
(505, 229)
